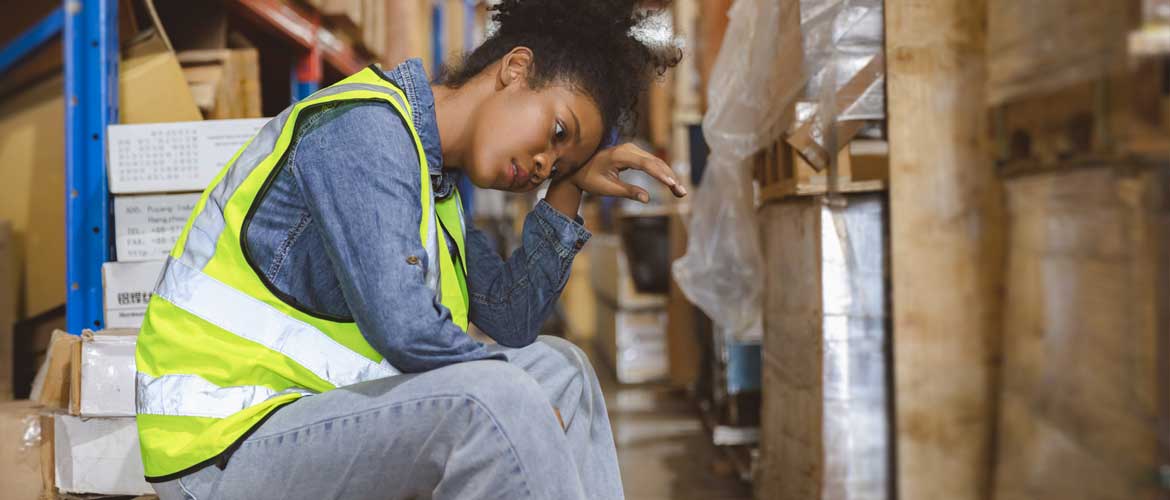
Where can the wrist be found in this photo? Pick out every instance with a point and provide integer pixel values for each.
(564, 196)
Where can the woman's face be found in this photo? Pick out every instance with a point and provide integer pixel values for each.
(522, 137)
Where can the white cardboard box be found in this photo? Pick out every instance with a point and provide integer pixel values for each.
(98, 455)
(170, 157)
(105, 377)
(126, 289)
(147, 226)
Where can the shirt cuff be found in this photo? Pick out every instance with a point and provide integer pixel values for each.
(569, 235)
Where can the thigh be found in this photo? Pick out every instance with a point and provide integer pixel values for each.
(389, 438)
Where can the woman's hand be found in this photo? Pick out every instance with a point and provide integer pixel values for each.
(600, 175)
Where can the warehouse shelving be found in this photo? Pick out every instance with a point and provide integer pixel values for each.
(91, 56)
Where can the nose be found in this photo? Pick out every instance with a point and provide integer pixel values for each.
(542, 165)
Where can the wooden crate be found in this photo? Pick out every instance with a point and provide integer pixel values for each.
(1085, 399)
(825, 417)
(862, 166)
(1125, 115)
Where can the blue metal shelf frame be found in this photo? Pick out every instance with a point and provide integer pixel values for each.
(91, 104)
(31, 39)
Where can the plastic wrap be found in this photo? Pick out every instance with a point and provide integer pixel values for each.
(771, 49)
(825, 405)
(855, 432)
(746, 111)
(30, 437)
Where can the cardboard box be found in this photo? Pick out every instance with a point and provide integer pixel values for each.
(633, 342)
(225, 83)
(173, 157)
(98, 455)
(611, 277)
(20, 450)
(53, 389)
(126, 290)
(103, 377)
(147, 227)
(32, 151)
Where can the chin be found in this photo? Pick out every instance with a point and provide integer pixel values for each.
(481, 180)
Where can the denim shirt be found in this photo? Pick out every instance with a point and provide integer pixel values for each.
(336, 233)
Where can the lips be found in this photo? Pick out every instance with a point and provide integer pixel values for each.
(517, 175)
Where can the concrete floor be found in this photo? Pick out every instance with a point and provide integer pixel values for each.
(664, 451)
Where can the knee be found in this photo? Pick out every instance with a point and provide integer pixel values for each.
(573, 354)
(568, 354)
(498, 385)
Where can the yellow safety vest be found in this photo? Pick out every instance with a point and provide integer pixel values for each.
(219, 348)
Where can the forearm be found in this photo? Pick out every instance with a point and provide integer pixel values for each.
(511, 298)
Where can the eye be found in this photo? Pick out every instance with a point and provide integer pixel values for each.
(559, 131)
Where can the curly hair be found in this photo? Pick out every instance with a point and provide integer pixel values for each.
(590, 45)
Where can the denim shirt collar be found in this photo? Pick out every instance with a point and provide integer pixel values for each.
(412, 78)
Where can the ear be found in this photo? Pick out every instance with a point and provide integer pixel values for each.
(515, 67)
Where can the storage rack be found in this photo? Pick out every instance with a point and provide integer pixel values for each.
(90, 31)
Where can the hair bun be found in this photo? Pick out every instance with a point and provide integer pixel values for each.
(585, 20)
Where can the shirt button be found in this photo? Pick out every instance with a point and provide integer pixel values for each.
(412, 260)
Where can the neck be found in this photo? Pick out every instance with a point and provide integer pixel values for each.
(454, 110)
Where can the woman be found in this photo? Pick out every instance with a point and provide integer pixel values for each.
(307, 339)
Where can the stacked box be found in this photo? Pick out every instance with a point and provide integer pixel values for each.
(155, 173)
(631, 326)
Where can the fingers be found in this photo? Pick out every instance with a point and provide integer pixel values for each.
(635, 157)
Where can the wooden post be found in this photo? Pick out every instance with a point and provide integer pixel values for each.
(946, 248)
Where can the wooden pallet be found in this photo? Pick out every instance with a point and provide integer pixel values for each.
(863, 165)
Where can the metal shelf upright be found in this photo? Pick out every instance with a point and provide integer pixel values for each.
(91, 104)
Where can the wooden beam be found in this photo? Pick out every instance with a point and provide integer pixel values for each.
(946, 247)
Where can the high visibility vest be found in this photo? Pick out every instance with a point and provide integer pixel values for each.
(220, 347)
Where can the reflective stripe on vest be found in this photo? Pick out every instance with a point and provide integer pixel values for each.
(192, 396)
(219, 350)
(252, 319)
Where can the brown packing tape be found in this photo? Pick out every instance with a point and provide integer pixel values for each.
(803, 140)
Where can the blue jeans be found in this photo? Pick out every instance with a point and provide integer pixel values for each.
(474, 430)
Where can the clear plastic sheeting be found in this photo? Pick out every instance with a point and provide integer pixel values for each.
(749, 99)
(771, 50)
(30, 437)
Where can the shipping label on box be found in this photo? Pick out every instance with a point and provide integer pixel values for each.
(98, 455)
(105, 377)
(126, 289)
(147, 227)
(168, 157)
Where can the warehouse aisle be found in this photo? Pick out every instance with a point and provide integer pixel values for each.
(664, 451)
